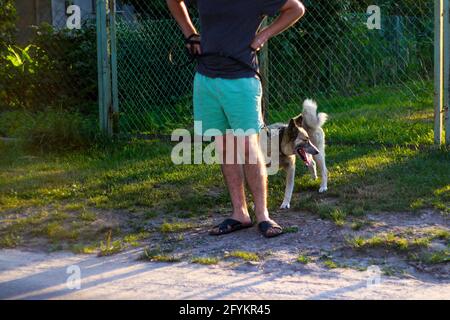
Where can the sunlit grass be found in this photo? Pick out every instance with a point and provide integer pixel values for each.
(389, 241)
(168, 227)
(303, 259)
(330, 264)
(244, 255)
(205, 260)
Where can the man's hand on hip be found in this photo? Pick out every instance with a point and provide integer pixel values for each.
(259, 41)
(193, 44)
(290, 13)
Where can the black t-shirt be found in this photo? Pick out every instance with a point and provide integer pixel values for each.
(229, 27)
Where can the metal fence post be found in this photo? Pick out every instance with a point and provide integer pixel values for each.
(114, 83)
(107, 66)
(104, 96)
(446, 58)
(438, 71)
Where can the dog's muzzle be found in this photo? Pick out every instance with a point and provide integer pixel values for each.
(306, 151)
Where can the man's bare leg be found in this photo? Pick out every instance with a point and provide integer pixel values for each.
(234, 178)
(256, 177)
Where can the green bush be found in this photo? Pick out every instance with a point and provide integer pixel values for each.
(72, 74)
(19, 83)
(8, 18)
(58, 69)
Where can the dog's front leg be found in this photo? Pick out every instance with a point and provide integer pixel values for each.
(320, 159)
(290, 179)
(313, 169)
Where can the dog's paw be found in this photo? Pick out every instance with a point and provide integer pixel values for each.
(286, 205)
(323, 189)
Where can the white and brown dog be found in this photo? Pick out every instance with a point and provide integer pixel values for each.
(303, 137)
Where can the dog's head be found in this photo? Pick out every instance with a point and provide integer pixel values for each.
(296, 141)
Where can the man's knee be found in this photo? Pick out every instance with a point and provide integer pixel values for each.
(220, 144)
(247, 149)
(252, 150)
(226, 149)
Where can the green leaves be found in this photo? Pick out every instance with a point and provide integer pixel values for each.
(20, 58)
(8, 18)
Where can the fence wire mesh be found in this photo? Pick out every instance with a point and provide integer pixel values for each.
(331, 55)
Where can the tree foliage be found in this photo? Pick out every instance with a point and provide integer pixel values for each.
(8, 19)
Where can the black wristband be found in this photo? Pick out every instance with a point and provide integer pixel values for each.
(189, 40)
(192, 35)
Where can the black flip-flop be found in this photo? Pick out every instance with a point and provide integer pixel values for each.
(267, 225)
(228, 226)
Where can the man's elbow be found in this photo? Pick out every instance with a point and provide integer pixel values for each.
(298, 8)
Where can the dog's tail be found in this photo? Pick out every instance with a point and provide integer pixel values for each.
(310, 116)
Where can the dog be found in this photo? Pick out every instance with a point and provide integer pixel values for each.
(304, 138)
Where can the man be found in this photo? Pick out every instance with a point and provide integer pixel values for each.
(227, 93)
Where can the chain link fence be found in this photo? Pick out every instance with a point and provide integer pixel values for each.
(333, 55)
(154, 94)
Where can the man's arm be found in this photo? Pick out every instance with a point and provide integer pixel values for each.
(181, 15)
(291, 12)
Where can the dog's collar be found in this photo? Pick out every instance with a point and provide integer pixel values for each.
(280, 140)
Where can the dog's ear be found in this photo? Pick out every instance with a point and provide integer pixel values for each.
(291, 123)
(298, 121)
(292, 129)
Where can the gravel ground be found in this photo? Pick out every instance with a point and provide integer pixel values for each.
(28, 275)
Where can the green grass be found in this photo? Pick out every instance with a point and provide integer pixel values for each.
(359, 224)
(173, 227)
(438, 233)
(205, 260)
(87, 216)
(158, 255)
(388, 241)
(9, 240)
(134, 238)
(330, 264)
(57, 232)
(437, 257)
(380, 158)
(338, 216)
(291, 229)
(380, 115)
(110, 247)
(84, 249)
(303, 259)
(244, 255)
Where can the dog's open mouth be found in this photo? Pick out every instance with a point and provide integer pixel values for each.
(306, 157)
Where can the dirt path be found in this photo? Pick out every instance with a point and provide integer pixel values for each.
(26, 275)
(333, 271)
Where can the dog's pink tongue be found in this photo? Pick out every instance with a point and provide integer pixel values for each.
(308, 159)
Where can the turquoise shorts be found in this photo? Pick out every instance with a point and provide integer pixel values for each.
(224, 106)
